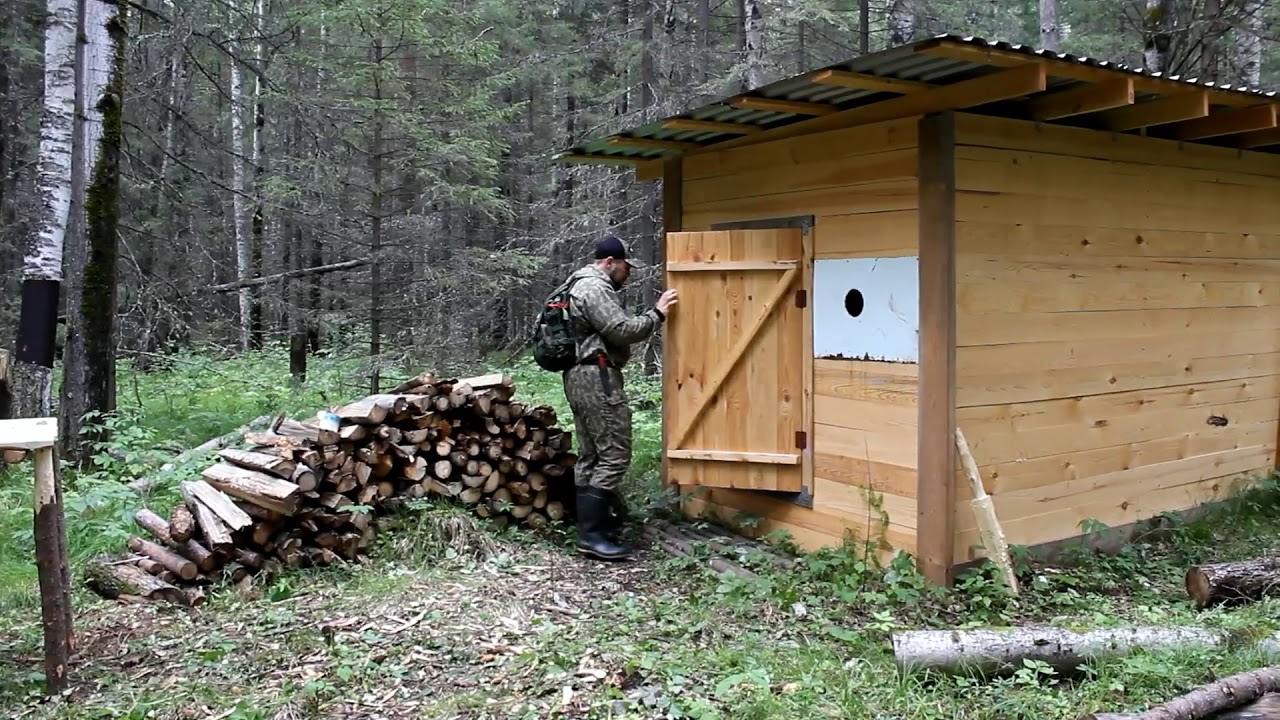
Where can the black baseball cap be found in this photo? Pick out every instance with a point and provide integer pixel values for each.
(613, 247)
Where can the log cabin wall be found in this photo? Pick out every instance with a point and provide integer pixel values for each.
(860, 186)
(1118, 324)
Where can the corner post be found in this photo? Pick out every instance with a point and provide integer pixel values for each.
(672, 221)
(936, 463)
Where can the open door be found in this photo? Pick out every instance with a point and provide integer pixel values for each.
(735, 369)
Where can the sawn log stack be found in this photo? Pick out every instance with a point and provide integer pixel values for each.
(306, 493)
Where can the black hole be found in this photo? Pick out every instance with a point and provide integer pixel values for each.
(853, 302)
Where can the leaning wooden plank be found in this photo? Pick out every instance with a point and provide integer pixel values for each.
(984, 512)
(262, 462)
(1207, 701)
(1233, 582)
(996, 651)
(252, 486)
(114, 580)
(203, 496)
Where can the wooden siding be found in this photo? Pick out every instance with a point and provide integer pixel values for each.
(859, 184)
(1116, 300)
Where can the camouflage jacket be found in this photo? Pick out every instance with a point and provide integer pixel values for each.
(597, 311)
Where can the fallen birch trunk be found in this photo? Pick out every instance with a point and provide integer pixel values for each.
(992, 651)
(142, 485)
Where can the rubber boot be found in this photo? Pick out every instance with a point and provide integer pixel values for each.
(594, 525)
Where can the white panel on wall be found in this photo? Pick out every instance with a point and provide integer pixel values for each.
(867, 308)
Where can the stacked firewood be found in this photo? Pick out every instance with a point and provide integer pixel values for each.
(306, 493)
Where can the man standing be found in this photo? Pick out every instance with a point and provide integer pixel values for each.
(593, 387)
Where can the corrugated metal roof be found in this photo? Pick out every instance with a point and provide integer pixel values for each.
(905, 62)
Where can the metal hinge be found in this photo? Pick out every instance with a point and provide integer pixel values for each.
(802, 298)
(802, 439)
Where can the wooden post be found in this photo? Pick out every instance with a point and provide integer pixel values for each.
(936, 456)
(6, 392)
(39, 436)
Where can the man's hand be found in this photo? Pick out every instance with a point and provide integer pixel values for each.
(666, 300)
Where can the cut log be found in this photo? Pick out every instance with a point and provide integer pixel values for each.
(114, 580)
(262, 462)
(1255, 687)
(217, 502)
(182, 524)
(996, 651)
(1231, 583)
(173, 562)
(13, 457)
(255, 487)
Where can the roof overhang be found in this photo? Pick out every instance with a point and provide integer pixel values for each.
(949, 72)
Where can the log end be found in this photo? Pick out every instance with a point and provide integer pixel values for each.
(1198, 587)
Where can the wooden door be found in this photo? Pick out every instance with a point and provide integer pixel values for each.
(734, 367)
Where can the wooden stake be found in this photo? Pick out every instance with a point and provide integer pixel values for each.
(51, 564)
(985, 512)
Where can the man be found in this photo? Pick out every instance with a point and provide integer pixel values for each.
(593, 387)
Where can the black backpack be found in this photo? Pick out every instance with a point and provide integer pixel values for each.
(555, 340)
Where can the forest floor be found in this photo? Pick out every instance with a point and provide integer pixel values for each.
(449, 618)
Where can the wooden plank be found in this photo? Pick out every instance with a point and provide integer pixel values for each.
(1059, 241)
(1227, 122)
(650, 143)
(843, 144)
(978, 296)
(1111, 212)
(1258, 138)
(731, 360)
(783, 106)
(1066, 141)
(874, 508)
(1028, 383)
(728, 265)
(1001, 85)
(1087, 98)
(1014, 328)
(712, 126)
(872, 197)
(876, 234)
(1175, 108)
(863, 81)
(672, 222)
(734, 456)
(28, 433)
(878, 476)
(808, 458)
(583, 159)
(1021, 474)
(841, 170)
(937, 404)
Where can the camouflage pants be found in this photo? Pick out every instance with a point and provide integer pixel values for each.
(602, 425)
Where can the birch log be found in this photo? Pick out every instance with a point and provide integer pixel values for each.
(994, 651)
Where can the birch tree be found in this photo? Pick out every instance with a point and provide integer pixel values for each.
(42, 266)
(1050, 35)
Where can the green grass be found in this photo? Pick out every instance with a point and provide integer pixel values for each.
(451, 618)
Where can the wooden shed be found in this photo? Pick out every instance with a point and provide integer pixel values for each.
(1075, 262)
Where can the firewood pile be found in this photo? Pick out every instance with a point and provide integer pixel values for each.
(306, 493)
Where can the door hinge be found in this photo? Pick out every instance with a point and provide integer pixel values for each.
(802, 298)
(802, 439)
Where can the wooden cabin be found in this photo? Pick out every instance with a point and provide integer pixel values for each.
(1075, 263)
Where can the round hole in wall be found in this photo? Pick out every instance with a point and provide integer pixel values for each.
(853, 302)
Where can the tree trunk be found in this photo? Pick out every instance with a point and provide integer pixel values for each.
(244, 250)
(42, 268)
(989, 651)
(258, 159)
(902, 22)
(1232, 582)
(753, 33)
(1249, 42)
(89, 364)
(1050, 34)
(1208, 700)
(375, 249)
(864, 26)
(1158, 42)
